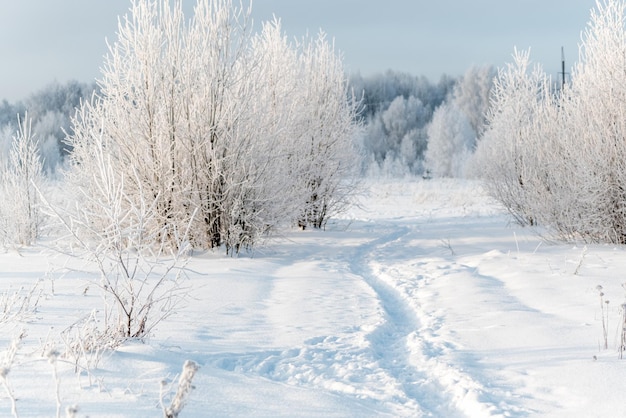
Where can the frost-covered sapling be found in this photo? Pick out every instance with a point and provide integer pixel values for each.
(580, 262)
(445, 243)
(140, 273)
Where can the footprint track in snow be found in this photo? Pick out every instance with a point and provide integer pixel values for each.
(407, 344)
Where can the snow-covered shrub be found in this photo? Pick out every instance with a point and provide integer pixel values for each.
(509, 155)
(211, 124)
(85, 341)
(560, 159)
(6, 363)
(594, 129)
(19, 305)
(325, 161)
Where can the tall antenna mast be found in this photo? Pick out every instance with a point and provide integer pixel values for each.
(563, 67)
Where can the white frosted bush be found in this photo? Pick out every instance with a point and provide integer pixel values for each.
(20, 178)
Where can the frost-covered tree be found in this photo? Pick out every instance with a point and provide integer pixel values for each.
(374, 141)
(458, 123)
(169, 110)
(8, 112)
(6, 141)
(451, 141)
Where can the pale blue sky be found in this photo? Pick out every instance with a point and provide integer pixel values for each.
(46, 40)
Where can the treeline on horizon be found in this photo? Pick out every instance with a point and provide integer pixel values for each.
(397, 110)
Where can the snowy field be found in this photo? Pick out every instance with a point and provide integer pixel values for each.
(423, 301)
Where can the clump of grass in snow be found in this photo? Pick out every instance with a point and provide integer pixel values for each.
(5, 368)
(622, 340)
(604, 309)
(20, 304)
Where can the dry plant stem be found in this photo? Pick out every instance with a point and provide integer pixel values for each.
(605, 322)
(9, 392)
(605, 316)
(184, 389)
(622, 345)
(53, 355)
(166, 387)
(446, 244)
(580, 262)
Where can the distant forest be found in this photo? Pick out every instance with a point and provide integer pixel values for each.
(415, 126)
(50, 111)
(411, 125)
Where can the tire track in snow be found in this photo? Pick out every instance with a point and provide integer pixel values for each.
(408, 349)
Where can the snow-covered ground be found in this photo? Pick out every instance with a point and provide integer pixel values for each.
(423, 301)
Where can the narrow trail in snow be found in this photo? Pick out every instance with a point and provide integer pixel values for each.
(390, 340)
(407, 344)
